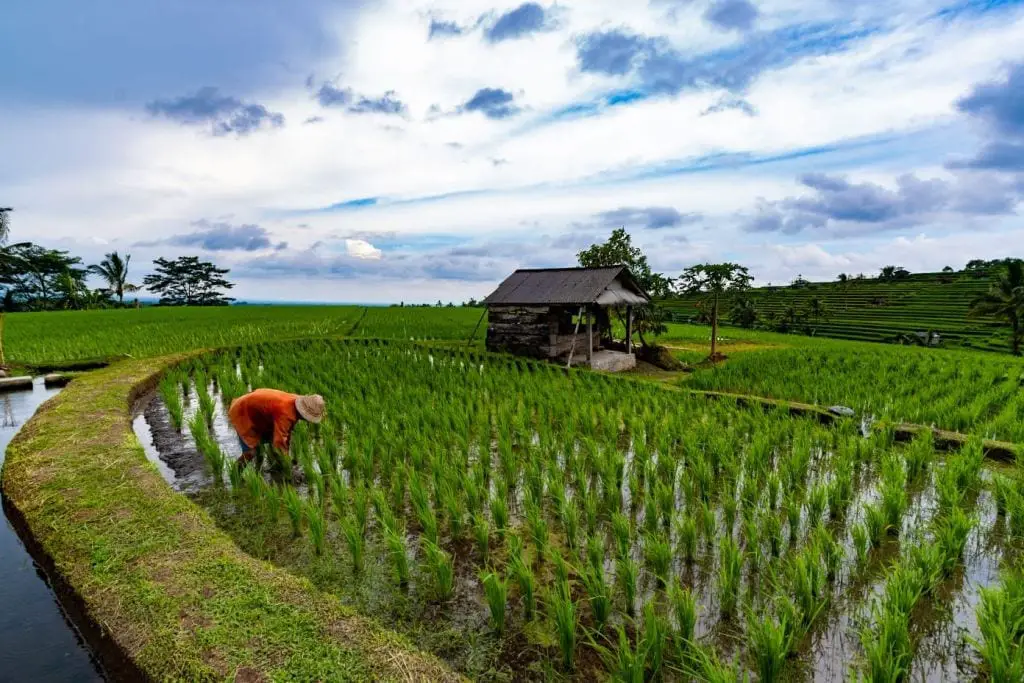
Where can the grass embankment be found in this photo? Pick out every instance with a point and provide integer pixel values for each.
(63, 339)
(880, 311)
(175, 594)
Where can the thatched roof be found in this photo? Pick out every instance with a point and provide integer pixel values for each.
(611, 286)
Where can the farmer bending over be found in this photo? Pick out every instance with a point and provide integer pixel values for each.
(269, 416)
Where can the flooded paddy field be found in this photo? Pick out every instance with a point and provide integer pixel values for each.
(525, 523)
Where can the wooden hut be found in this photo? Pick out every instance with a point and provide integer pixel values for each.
(563, 313)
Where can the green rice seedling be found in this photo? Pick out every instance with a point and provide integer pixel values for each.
(595, 551)
(499, 514)
(599, 595)
(626, 574)
(1001, 489)
(253, 482)
(903, 587)
(625, 663)
(886, 644)
(558, 564)
(707, 523)
(271, 499)
(394, 537)
(293, 504)
(729, 505)
(655, 639)
(314, 515)
(339, 496)
(807, 579)
(706, 667)
(951, 532)
(538, 529)
(861, 540)
(875, 521)
(684, 608)
(562, 612)
(591, 510)
(840, 492)
(621, 533)
(817, 499)
(830, 549)
(385, 516)
(770, 640)
(774, 489)
(361, 507)
(570, 516)
(171, 396)
(208, 447)
(792, 508)
(206, 402)
(1000, 614)
(482, 535)
(729, 573)
(658, 555)
(919, 455)
(527, 583)
(929, 561)
(772, 528)
(236, 476)
(439, 564)
(893, 494)
(496, 591)
(686, 531)
(352, 531)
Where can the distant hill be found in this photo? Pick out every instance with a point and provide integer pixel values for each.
(872, 309)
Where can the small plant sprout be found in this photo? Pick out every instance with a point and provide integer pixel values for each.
(658, 555)
(626, 573)
(770, 641)
(355, 540)
(496, 591)
(295, 508)
(599, 595)
(314, 515)
(394, 536)
(527, 583)
(562, 613)
(440, 565)
(729, 572)
(684, 608)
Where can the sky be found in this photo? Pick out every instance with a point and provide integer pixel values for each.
(403, 150)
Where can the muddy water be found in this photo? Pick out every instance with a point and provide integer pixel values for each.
(37, 641)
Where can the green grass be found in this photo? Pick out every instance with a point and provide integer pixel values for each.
(172, 591)
(64, 337)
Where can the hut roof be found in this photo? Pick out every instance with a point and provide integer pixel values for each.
(610, 286)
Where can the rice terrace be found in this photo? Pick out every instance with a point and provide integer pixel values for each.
(561, 341)
(463, 512)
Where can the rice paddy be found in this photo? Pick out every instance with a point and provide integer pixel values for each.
(522, 522)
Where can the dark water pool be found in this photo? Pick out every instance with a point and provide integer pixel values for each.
(37, 641)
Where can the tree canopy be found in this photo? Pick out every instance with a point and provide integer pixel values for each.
(37, 278)
(187, 281)
(114, 271)
(619, 251)
(1005, 301)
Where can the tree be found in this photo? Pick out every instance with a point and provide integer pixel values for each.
(5, 223)
(947, 269)
(887, 273)
(843, 278)
(744, 312)
(187, 281)
(32, 275)
(816, 309)
(1005, 301)
(712, 280)
(114, 271)
(619, 251)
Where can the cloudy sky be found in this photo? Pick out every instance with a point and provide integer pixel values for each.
(376, 151)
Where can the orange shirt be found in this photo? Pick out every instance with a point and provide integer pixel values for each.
(265, 415)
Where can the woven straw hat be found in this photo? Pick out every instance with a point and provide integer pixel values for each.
(311, 408)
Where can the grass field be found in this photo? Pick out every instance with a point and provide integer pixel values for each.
(521, 522)
(880, 311)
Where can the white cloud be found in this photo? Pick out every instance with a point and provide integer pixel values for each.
(361, 249)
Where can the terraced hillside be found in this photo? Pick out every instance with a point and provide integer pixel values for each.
(879, 310)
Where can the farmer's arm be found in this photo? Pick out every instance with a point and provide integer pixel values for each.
(283, 425)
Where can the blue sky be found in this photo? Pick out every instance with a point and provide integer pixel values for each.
(385, 150)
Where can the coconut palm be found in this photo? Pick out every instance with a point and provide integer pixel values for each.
(1005, 301)
(114, 270)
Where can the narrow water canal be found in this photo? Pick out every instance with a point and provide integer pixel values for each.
(37, 641)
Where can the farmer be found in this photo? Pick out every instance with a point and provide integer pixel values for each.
(268, 416)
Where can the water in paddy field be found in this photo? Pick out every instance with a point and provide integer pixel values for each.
(37, 641)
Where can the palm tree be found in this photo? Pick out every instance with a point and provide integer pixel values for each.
(114, 270)
(1005, 301)
(5, 223)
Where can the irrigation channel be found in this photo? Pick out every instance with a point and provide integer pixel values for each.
(39, 642)
(943, 625)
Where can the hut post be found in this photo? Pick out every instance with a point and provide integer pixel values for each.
(629, 329)
(590, 334)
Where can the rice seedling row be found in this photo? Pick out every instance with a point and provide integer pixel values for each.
(523, 522)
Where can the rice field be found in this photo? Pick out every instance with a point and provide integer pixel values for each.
(65, 337)
(974, 393)
(524, 523)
